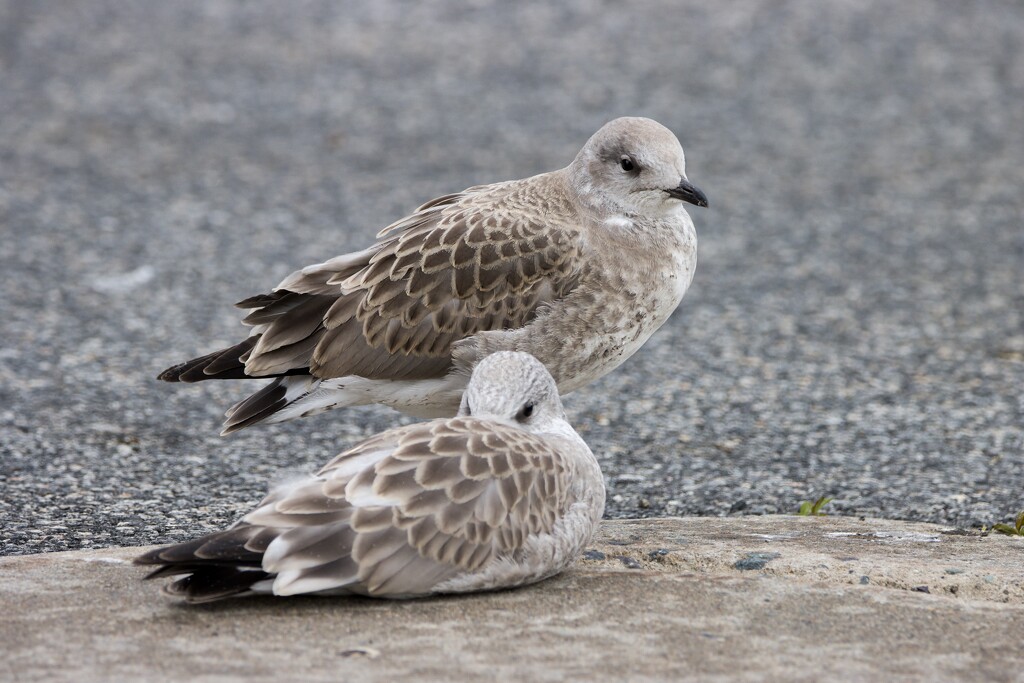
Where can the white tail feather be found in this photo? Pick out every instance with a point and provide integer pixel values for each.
(420, 398)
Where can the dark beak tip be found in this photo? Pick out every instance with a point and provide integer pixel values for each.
(690, 193)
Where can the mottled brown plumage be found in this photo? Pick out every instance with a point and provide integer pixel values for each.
(578, 267)
(494, 499)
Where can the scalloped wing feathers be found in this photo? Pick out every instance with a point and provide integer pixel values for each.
(442, 498)
(484, 259)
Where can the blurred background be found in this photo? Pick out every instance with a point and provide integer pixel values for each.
(855, 328)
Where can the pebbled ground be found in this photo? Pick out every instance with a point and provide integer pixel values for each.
(855, 328)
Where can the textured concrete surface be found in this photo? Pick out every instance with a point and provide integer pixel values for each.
(666, 602)
(855, 326)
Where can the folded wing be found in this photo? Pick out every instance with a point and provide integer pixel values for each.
(459, 265)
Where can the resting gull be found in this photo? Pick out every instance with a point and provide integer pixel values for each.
(504, 494)
(577, 267)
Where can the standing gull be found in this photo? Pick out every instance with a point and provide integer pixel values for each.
(577, 267)
(504, 494)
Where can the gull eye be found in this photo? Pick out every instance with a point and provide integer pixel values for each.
(525, 413)
(627, 164)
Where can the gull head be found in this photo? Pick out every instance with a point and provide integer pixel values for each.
(635, 167)
(515, 388)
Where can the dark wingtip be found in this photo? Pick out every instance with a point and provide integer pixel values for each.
(211, 567)
(151, 557)
(262, 300)
(223, 364)
(170, 374)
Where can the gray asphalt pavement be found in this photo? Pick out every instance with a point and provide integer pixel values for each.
(855, 327)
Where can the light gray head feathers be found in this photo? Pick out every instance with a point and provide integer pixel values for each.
(513, 387)
(631, 166)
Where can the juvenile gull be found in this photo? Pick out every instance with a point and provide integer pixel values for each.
(504, 494)
(577, 267)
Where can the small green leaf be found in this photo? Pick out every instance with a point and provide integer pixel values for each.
(1015, 529)
(818, 504)
(809, 509)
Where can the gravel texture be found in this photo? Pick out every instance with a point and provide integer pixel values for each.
(855, 328)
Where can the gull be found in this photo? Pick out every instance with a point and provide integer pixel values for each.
(577, 267)
(504, 494)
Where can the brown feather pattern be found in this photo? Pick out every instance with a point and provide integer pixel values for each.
(484, 259)
(444, 496)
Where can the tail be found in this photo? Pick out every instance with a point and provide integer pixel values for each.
(222, 565)
(285, 360)
(268, 402)
(229, 363)
(287, 398)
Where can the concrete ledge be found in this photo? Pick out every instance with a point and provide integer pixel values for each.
(703, 599)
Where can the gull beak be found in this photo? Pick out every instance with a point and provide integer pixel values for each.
(688, 192)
